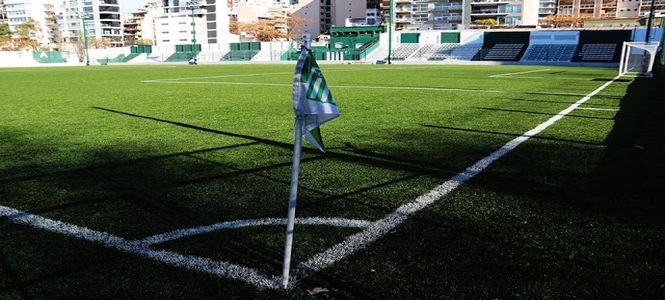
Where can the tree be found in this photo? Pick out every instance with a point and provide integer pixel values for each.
(485, 22)
(28, 29)
(144, 41)
(262, 30)
(560, 21)
(99, 43)
(5, 33)
(295, 26)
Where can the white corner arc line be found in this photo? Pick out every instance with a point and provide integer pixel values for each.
(517, 73)
(381, 227)
(188, 232)
(196, 263)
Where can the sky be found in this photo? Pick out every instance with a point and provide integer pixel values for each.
(129, 5)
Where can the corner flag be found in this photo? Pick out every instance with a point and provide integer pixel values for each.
(312, 99)
(313, 105)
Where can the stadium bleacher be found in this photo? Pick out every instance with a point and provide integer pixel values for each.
(550, 53)
(508, 52)
(597, 52)
(443, 51)
(465, 52)
(403, 51)
(424, 52)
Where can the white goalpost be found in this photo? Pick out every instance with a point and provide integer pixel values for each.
(638, 58)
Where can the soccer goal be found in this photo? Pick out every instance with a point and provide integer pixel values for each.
(638, 58)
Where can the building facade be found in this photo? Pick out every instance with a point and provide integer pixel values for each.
(3, 15)
(464, 14)
(42, 12)
(101, 17)
(321, 15)
(139, 25)
(211, 18)
(607, 9)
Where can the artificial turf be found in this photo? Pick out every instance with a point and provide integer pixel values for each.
(574, 212)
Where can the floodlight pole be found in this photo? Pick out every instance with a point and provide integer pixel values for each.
(85, 38)
(648, 36)
(390, 31)
(193, 4)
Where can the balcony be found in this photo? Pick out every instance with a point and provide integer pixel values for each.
(488, 2)
(488, 12)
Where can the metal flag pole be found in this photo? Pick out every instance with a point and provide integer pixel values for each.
(293, 194)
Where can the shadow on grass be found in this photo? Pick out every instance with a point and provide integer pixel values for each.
(629, 181)
(510, 134)
(554, 219)
(539, 113)
(367, 159)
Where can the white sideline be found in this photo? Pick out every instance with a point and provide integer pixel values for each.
(517, 73)
(275, 73)
(381, 227)
(182, 233)
(350, 245)
(332, 86)
(196, 263)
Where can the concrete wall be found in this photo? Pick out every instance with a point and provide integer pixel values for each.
(555, 37)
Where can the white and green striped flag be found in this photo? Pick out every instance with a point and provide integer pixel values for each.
(312, 99)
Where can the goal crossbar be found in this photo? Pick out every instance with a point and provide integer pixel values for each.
(638, 58)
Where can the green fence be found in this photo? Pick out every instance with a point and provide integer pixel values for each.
(122, 58)
(409, 38)
(50, 57)
(324, 53)
(188, 48)
(450, 38)
(138, 49)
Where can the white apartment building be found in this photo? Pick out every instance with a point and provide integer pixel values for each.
(174, 25)
(320, 15)
(3, 15)
(40, 11)
(140, 23)
(461, 14)
(101, 17)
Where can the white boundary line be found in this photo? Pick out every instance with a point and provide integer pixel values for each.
(276, 73)
(221, 269)
(182, 233)
(596, 108)
(319, 261)
(517, 73)
(381, 227)
(332, 86)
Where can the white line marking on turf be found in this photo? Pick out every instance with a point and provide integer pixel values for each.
(381, 227)
(517, 73)
(273, 73)
(350, 245)
(596, 108)
(334, 86)
(221, 269)
(187, 232)
(540, 77)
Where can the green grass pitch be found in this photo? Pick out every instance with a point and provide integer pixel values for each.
(136, 151)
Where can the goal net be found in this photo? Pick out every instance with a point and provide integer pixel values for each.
(638, 58)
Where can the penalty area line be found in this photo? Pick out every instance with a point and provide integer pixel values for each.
(383, 226)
